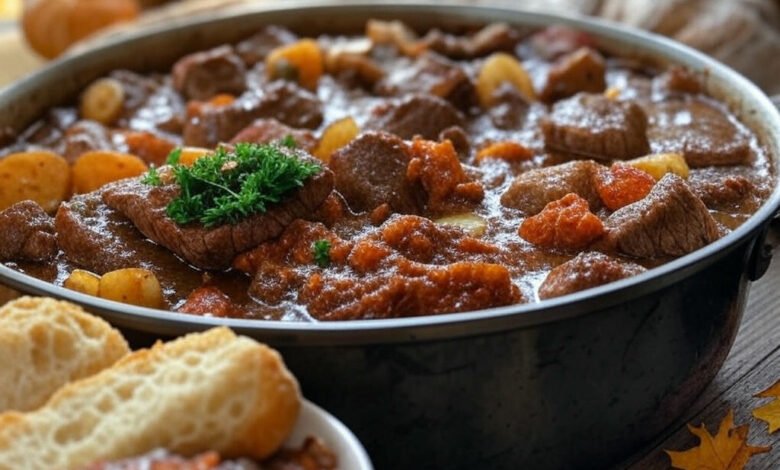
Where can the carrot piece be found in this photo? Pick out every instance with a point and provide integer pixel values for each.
(623, 185)
(505, 150)
(565, 224)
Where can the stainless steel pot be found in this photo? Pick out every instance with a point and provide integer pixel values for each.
(578, 381)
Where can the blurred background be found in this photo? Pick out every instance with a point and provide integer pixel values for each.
(742, 33)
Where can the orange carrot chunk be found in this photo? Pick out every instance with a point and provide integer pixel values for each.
(565, 224)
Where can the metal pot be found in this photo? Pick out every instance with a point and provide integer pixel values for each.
(577, 381)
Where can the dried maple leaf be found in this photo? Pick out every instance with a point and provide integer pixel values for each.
(771, 411)
(726, 450)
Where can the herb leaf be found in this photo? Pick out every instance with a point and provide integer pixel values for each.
(152, 177)
(226, 187)
(321, 249)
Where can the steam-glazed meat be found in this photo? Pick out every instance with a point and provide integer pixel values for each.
(264, 131)
(534, 189)
(586, 270)
(27, 233)
(85, 136)
(416, 115)
(201, 75)
(255, 48)
(597, 127)
(670, 221)
(371, 171)
(581, 71)
(492, 38)
(211, 248)
(429, 74)
(725, 189)
(282, 101)
(698, 130)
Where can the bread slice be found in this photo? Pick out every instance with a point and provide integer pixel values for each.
(205, 391)
(44, 344)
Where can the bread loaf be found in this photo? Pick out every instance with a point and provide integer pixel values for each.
(44, 344)
(206, 391)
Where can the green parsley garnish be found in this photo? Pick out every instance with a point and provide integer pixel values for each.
(289, 142)
(152, 177)
(321, 249)
(227, 186)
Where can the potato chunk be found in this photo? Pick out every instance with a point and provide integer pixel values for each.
(41, 176)
(83, 281)
(660, 164)
(498, 69)
(103, 101)
(94, 169)
(335, 136)
(134, 286)
(470, 222)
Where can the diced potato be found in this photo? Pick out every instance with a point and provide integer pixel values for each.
(612, 93)
(41, 176)
(301, 61)
(190, 154)
(83, 281)
(502, 68)
(505, 150)
(94, 169)
(660, 164)
(469, 221)
(335, 136)
(395, 33)
(134, 286)
(103, 101)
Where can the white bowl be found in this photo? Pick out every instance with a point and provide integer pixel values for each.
(314, 421)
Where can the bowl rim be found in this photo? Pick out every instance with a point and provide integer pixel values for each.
(451, 325)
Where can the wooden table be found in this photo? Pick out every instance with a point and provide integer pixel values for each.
(752, 366)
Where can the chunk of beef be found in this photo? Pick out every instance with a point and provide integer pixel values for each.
(510, 107)
(137, 89)
(255, 48)
(459, 138)
(597, 127)
(494, 37)
(201, 75)
(210, 300)
(85, 136)
(97, 238)
(263, 131)
(415, 115)
(680, 80)
(211, 248)
(581, 71)
(670, 221)
(701, 131)
(728, 188)
(371, 171)
(48, 132)
(586, 270)
(534, 189)
(555, 41)
(429, 74)
(162, 111)
(27, 233)
(283, 101)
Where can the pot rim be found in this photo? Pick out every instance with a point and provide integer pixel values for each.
(735, 87)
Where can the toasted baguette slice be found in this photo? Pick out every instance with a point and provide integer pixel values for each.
(206, 391)
(44, 344)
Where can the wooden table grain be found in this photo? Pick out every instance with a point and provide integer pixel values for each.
(752, 366)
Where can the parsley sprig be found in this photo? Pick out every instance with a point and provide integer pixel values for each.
(321, 251)
(228, 186)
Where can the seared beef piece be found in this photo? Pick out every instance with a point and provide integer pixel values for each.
(263, 131)
(99, 239)
(423, 115)
(680, 80)
(151, 103)
(27, 233)
(586, 270)
(201, 75)
(280, 100)
(699, 130)
(459, 139)
(492, 38)
(47, 132)
(371, 171)
(597, 127)
(582, 70)
(85, 136)
(137, 89)
(728, 188)
(554, 41)
(255, 48)
(534, 189)
(211, 248)
(509, 108)
(429, 74)
(670, 221)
